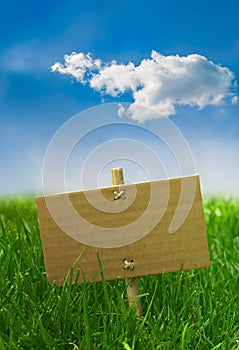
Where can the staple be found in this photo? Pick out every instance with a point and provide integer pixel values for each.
(129, 265)
(119, 195)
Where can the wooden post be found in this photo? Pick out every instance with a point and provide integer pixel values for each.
(131, 283)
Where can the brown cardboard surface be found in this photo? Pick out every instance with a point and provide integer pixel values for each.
(157, 252)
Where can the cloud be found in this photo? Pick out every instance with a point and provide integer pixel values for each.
(159, 83)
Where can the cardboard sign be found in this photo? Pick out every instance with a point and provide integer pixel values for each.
(151, 228)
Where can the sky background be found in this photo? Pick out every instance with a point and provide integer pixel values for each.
(35, 102)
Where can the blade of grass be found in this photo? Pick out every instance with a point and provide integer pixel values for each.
(183, 335)
(126, 346)
(86, 317)
(104, 285)
(150, 306)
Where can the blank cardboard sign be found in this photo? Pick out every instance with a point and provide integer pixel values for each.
(153, 227)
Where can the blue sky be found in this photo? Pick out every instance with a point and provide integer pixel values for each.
(35, 102)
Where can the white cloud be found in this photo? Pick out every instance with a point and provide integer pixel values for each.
(160, 83)
(116, 79)
(235, 99)
(79, 65)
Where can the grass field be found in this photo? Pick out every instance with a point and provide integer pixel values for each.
(196, 309)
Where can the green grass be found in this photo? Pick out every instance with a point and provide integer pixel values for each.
(196, 309)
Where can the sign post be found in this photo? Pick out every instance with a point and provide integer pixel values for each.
(132, 283)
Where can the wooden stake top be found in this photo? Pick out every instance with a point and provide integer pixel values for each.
(117, 176)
